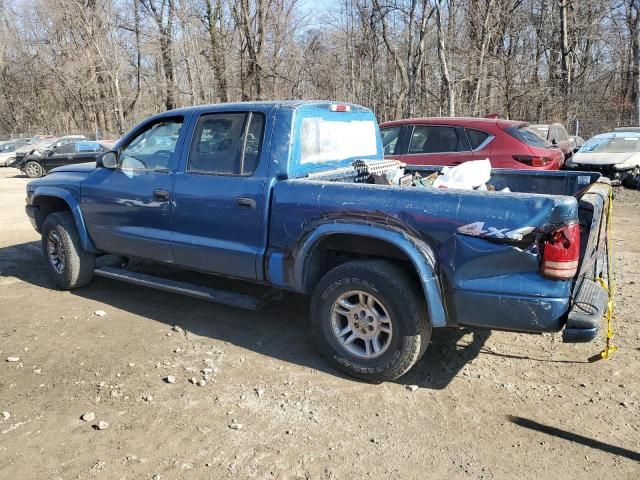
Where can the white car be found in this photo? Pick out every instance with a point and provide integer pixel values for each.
(8, 151)
(615, 154)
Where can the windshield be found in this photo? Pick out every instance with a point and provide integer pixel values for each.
(47, 144)
(612, 144)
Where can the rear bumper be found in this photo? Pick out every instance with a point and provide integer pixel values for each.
(583, 321)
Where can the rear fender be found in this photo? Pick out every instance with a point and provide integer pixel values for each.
(42, 193)
(419, 253)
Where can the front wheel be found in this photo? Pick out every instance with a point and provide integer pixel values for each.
(370, 319)
(69, 265)
(33, 170)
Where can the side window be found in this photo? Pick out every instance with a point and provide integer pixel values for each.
(82, 147)
(390, 139)
(476, 137)
(434, 139)
(65, 149)
(154, 147)
(226, 143)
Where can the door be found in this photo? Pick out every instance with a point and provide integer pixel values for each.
(57, 156)
(218, 198)
(128, 209)
(84, 152)
(437, 145)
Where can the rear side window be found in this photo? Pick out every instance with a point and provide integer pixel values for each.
(434, 139)
(526, 135)
(87, 147)
(390, 139)
(476, 137)
(226, 143)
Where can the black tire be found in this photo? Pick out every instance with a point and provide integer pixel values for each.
(632, 180)
(33, 169)
(397, 293)
(74, 266)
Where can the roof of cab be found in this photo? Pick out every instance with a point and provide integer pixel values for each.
(262, 103)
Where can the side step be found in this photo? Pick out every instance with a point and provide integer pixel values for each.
(247, 302)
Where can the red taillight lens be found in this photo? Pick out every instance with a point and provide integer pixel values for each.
(561, 253)
(534, 160)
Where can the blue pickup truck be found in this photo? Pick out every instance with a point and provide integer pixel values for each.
(296, 196)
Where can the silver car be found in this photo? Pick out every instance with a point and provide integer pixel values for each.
(615, 154)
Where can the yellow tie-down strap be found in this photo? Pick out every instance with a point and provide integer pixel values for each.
(610, 287)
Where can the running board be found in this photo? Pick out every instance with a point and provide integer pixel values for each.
(233, 299)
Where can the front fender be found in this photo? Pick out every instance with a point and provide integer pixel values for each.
(70, 200)
(420, 254)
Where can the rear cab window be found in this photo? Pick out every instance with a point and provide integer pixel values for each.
(323, 139)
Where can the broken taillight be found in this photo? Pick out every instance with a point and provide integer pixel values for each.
(561, 252)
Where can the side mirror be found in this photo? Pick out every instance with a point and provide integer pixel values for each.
(575, 150)
(107, 160)
(48, 153)
(554, 142)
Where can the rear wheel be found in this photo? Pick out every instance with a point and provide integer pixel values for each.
(69, 265)
(370, 319)
(33, 170)
(632, 180)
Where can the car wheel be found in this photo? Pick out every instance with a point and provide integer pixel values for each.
(33, 170)
(370, 319)
(632, 180)
(69, 265)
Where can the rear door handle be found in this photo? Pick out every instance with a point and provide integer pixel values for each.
(245, 202)
(160, 194)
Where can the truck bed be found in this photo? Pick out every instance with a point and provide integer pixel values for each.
(489, 274)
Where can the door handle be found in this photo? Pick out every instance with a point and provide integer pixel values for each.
(245, 202)
(160, 194)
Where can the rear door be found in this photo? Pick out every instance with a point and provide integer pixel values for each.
(436, 145)
(219, 195)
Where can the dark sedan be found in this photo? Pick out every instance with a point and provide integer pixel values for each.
(38, 163)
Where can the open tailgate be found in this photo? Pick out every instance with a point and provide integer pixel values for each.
(589, 297)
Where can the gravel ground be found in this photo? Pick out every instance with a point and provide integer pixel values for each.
(118, 381)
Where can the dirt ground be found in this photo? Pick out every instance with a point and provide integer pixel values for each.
(489, 405)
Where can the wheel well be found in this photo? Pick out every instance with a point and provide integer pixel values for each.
(48, 205)
(336, 249)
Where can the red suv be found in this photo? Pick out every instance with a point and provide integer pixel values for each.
(451, 141)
